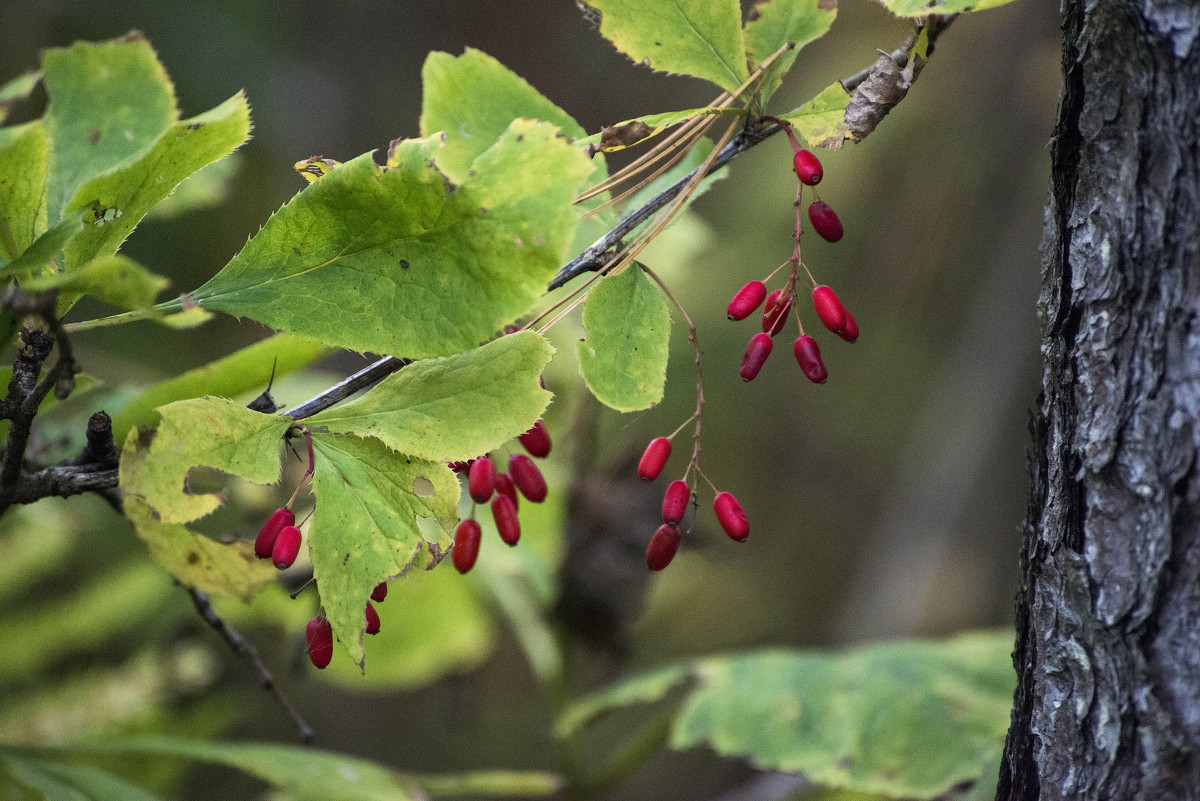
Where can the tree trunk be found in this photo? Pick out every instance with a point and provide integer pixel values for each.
(1108, 618)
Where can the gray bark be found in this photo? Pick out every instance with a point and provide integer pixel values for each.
(1108, 616)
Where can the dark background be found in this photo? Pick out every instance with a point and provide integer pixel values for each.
(883, 504)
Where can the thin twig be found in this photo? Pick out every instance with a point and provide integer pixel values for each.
(250, 656)
(369, 376)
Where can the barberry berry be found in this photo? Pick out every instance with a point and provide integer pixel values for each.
(675, 502)
(775, 312)
(527, 477)
(380, 592)
(747, 299)
(466, 545)
(731, 517)
(654, 459)
(536, 440)
(506, 487)
(662, 547)
(808, 356)
(287, 547)
(319, 635)
(825, 221)
(372, 619)
(264, 543)
(808, 167)
(849, 331)
(829, 308)
(505, 515)
(481, 481)
(757, 351)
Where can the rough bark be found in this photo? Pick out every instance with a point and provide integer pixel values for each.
(1108, 617)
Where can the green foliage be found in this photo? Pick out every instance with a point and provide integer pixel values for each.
(821, 122)
(624, 358)
(774, 23)
(920, 8)
(457, 407)
(35, 259)
(116, 280)
(385, 259)
(692, 37)
(16, 90)
(904, 720)
(24, 160)
(639, 129)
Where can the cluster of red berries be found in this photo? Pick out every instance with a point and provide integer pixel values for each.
(484, 484)
(319, 633)
(279, 539)
(780, 302)
(665, 542)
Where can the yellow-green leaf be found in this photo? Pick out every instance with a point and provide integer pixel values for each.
(116, 280)
(821, 122)
(24, 159)
(777, 22)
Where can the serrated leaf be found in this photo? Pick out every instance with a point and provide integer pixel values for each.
(386, 260)
(201, 432)
(24, 160)
(207, 565)
(135, 188)
(456, 407)
(305, 773)
(245, 370)
(474, 98)
(116, 280)
(365, 530)
(921, 8)
(16, 90)
(646, 688)
(38, 258)
(821, 122)
(692, 37)
(59, 781)
(907, 719)
(639, 129)
(624, 357)
(109, 102)
(779, 22)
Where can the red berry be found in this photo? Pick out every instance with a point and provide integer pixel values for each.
(506, 487)
(287, 546)
(747, 299)
(808, 356)
(824, 221)
(505, 515)
(654, 459)
(380, 592)
(466, 545)
(829, 308)
(459, 467)
(527, 477)
(849, 331)
(536, 440)
(808, 167)
(372, 619)
(662, 547)
(775, 313)
(675, 502)
(265, 541)
(757, 351)
(731, 517)
(319, 635)
(481, 481)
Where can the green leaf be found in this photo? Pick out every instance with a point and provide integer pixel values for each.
(305, 773)
(245, 370)
(639, 129)
(921, 8)
(115, 280)
(40, 255)
(135, 188)
(693, 37)
(628, 324)
(474, 98)
(16, 90)
(201, 432)
(109, 102)
(456, 407)
(821, 122)
(491, 784)
(58, 781)
(207, 565)
(386, 260)
(779, 22)
(907, 719)
(24, 160)
(646, 688)
(365, 530)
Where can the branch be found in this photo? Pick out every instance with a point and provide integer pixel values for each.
(250, 656)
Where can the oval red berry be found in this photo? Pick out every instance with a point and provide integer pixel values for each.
(747, 299)
(849, 331)
(775, 313)
(505, 515)
(287, 547)
(654, 459)
(825, 221)
(380, 592)
(466, 545)
(808, 167)
(527, 477)
(731, 517)
(264, 543)
(663, 546)
(757, 351)
(319, 635)
(808, 356)
(481, 481)
(536, 440)
(506, 487)
(829, 308)
(372, 619)
(675, 502)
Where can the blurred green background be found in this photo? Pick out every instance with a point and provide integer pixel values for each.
(884, 504)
